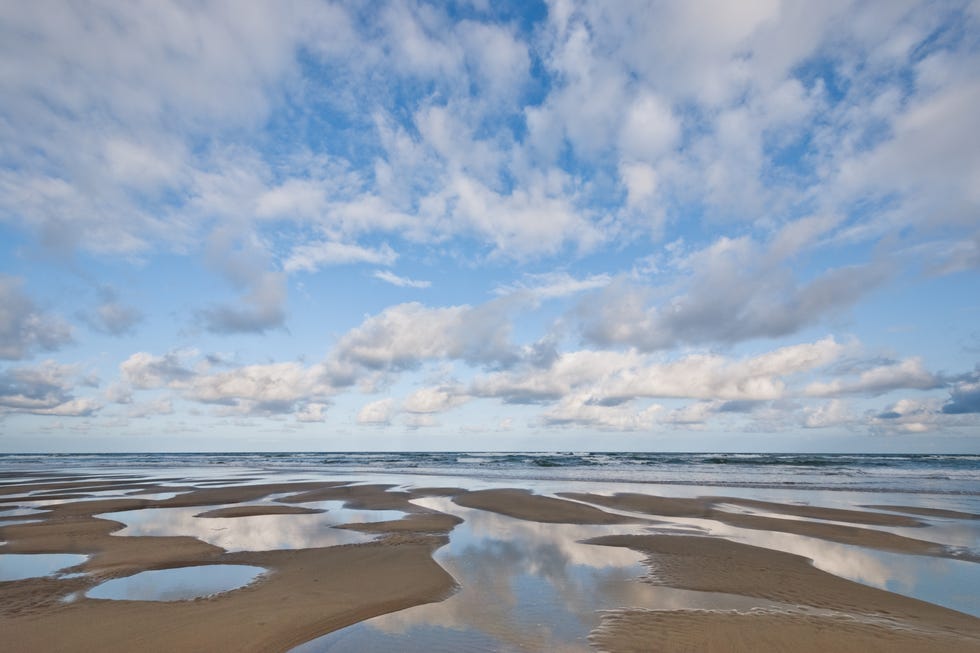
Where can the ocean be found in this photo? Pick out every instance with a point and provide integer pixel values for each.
(899, 473)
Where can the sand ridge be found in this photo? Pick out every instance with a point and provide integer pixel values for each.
(705, 508)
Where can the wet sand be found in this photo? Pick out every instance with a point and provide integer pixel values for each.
(713, 508)
(309, 592)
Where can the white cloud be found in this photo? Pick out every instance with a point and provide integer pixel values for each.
(499, 59)
(310, 257)
(612, 378)
(293, 198)
(552, 285)
(25, 328)
(640, 180)
(809, 152)
(734, 290)
(119, 393)
(907, 374)
(44, 389)
(578, 411)
(377, 412)
(146, 371)
(312, 412)
(402, 336)
(832, 413)
(692, 416)
(433, 400)
(649, 130)
(402, 282)
(260, 389)
(536, 218)
(271, 388)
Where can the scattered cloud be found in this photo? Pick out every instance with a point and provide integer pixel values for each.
(551, 285)
(242, 260)
(835, 412)
(312, 256)
(612, 378)
(111, 316)
(735, 290)
(964, 398)
(25, 328)
(146, 371)
(433, 400)
(402, 282)
(377, 412)
(907, 374)
(43, 389)
(404, 335)
(663, 204)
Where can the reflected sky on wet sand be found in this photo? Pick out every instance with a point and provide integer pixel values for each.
(528, 586)
(17, 566)
(524, 586)
(254, 533)
(180, 584)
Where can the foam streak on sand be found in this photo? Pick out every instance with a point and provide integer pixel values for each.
(310, 592)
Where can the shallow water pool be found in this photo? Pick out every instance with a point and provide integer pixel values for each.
(180, 584)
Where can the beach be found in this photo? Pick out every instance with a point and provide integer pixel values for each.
(370, 560)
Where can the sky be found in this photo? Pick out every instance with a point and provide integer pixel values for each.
(476, 225)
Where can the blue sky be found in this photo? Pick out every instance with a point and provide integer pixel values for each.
(490, 225)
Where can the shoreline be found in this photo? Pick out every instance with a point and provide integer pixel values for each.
(309, 592)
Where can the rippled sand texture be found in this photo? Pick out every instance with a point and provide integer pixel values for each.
(496, 569)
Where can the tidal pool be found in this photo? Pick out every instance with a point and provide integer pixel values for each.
(17, 566)
(524, 586)
(180, 584)
(255, 533)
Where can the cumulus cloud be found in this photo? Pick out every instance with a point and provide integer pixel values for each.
(273, 388)
(402, 336)
(907, 374)
(964, 398)
(144, 370)
(799, 150)
(261, 389)
(909, 416)
(82, 184)
(44, 389)
(832, 413)
(312, 412)
(611, 378)
(377, 412)
(433, 400)
(692, 416)
(735, 290)
(577, 410)
(25, 328)
(666, 101)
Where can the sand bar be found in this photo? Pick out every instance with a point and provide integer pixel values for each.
(704, 508)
